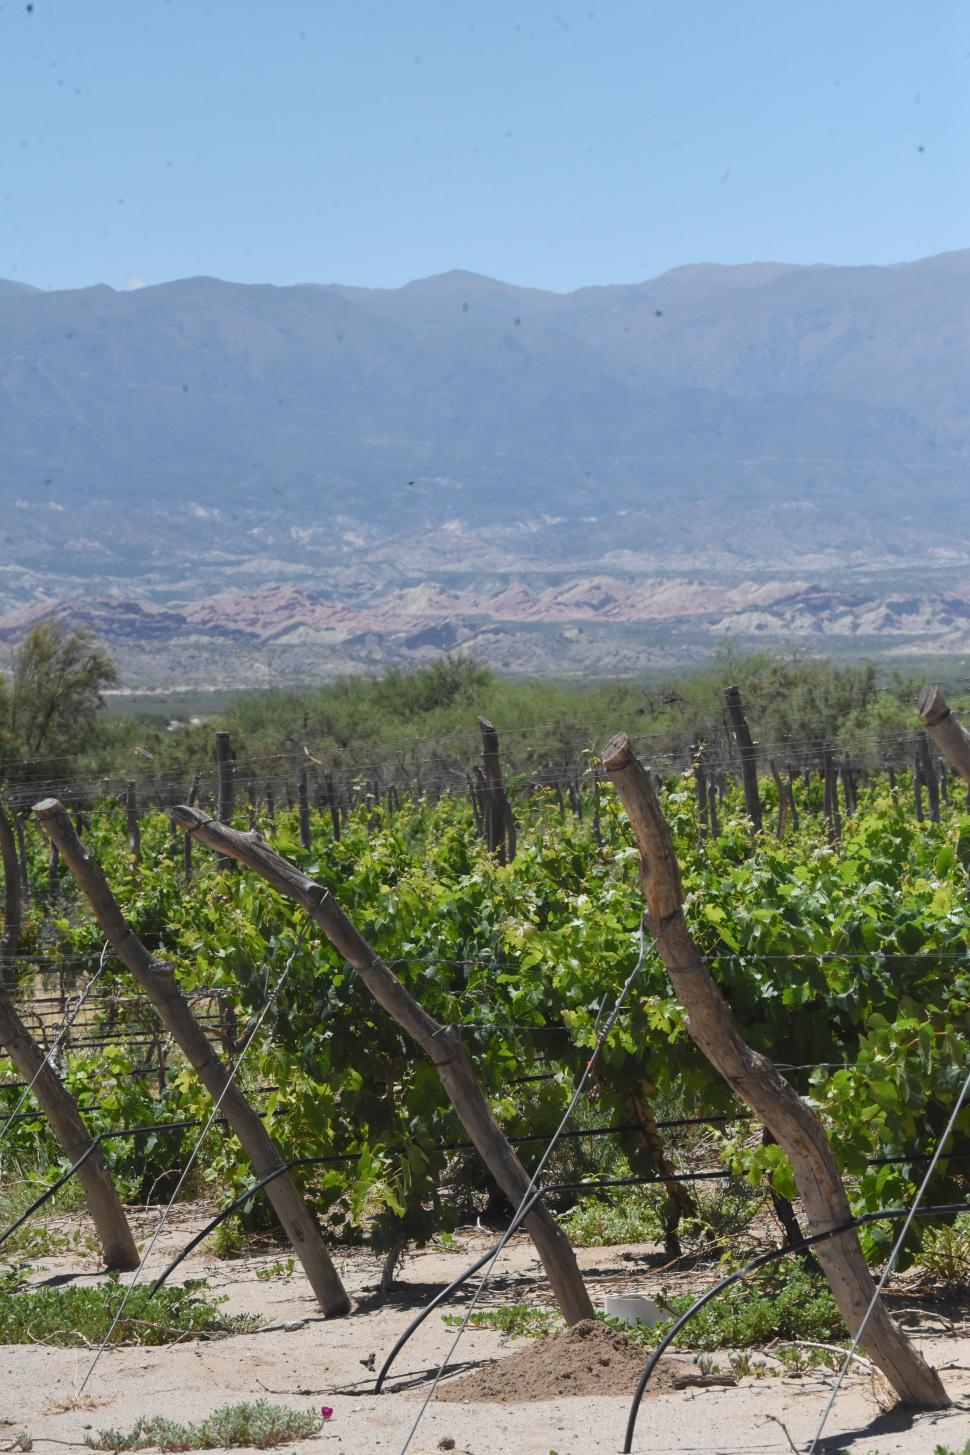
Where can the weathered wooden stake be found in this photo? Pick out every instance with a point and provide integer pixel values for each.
(499, 823)
(441, 1043)
(918, 784)
(158, 982)
(748, 752)
(782, 801)
(226, 797)
(18, 828)
(756, 1081)
(303, 797)
(73, 1137)
(945, 730)
(927, 773)
(13, 906)
(791, 800)
(131, 818)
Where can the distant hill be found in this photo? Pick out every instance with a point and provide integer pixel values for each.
(206, 435)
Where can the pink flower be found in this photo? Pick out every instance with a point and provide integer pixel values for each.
(326, 1411)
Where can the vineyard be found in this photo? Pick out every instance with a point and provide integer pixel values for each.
(282, 993)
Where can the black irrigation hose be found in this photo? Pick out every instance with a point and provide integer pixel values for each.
(453, 1287)
(92, 1146)
(755, 1263)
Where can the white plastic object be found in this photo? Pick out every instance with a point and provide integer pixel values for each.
(632, 1309)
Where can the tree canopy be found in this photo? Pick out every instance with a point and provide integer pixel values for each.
(50, 703)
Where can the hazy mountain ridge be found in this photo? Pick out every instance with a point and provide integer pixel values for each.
(760, 429)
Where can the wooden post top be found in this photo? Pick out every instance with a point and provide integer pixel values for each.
(931, 706)
(618, 753)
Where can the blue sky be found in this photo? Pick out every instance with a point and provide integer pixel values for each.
(559, 144)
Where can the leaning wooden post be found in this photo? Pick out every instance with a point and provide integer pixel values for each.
(945, 730)
(13, 906)
(441, 1043)
(749, 756)
(158, 982)
(73, 1137)
(755, 1080)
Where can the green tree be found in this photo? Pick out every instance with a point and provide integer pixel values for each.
(55, 691)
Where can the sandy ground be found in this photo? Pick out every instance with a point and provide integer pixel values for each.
(319, 1362)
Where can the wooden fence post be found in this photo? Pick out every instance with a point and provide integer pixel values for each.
(918, 784)
(927, 773)
(53, 864)
(186, 845)
(158, 982)
(13, 907)
(441, 1043)
(793, 806)
(73, 1137)
(131, 818)
(749, 756)
(830, 803)
(303, 796)
(18, 828)
(499, 823)
(756, 1081)
(700, 791)
(782, 801)
(226, 786)
(332, 804)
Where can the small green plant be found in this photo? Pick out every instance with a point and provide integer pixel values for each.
(23, 1440)
(258, 1425)
(782, 1302)
(513, 1321)
(596, 1222)
(279, 1269)
(81, 1317)
(945, 1255)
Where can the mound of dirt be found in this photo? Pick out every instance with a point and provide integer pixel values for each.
(588, 1359)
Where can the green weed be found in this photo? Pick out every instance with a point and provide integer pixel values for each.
(81, 1317)
(279, 1269)
(258, 1425)
(945, 1254)
(597, 1222)
(779, 1303)
(514, 1320)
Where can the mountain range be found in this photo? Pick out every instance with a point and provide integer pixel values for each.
(239, 482)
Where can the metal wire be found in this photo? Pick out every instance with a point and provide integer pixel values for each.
(48, 1056)
(271, 998)
(576, 1097)
(890, 1262)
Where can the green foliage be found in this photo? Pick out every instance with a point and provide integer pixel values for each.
(779, 1302)
(513, 1320)
(257, 1425)
(945, 1254)
(597, 1222)
(55, 692)
(851, 956)
(79, 1317)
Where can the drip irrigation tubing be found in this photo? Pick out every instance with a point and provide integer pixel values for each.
(884, 1214)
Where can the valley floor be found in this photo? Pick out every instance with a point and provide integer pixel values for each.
(319, 1362)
